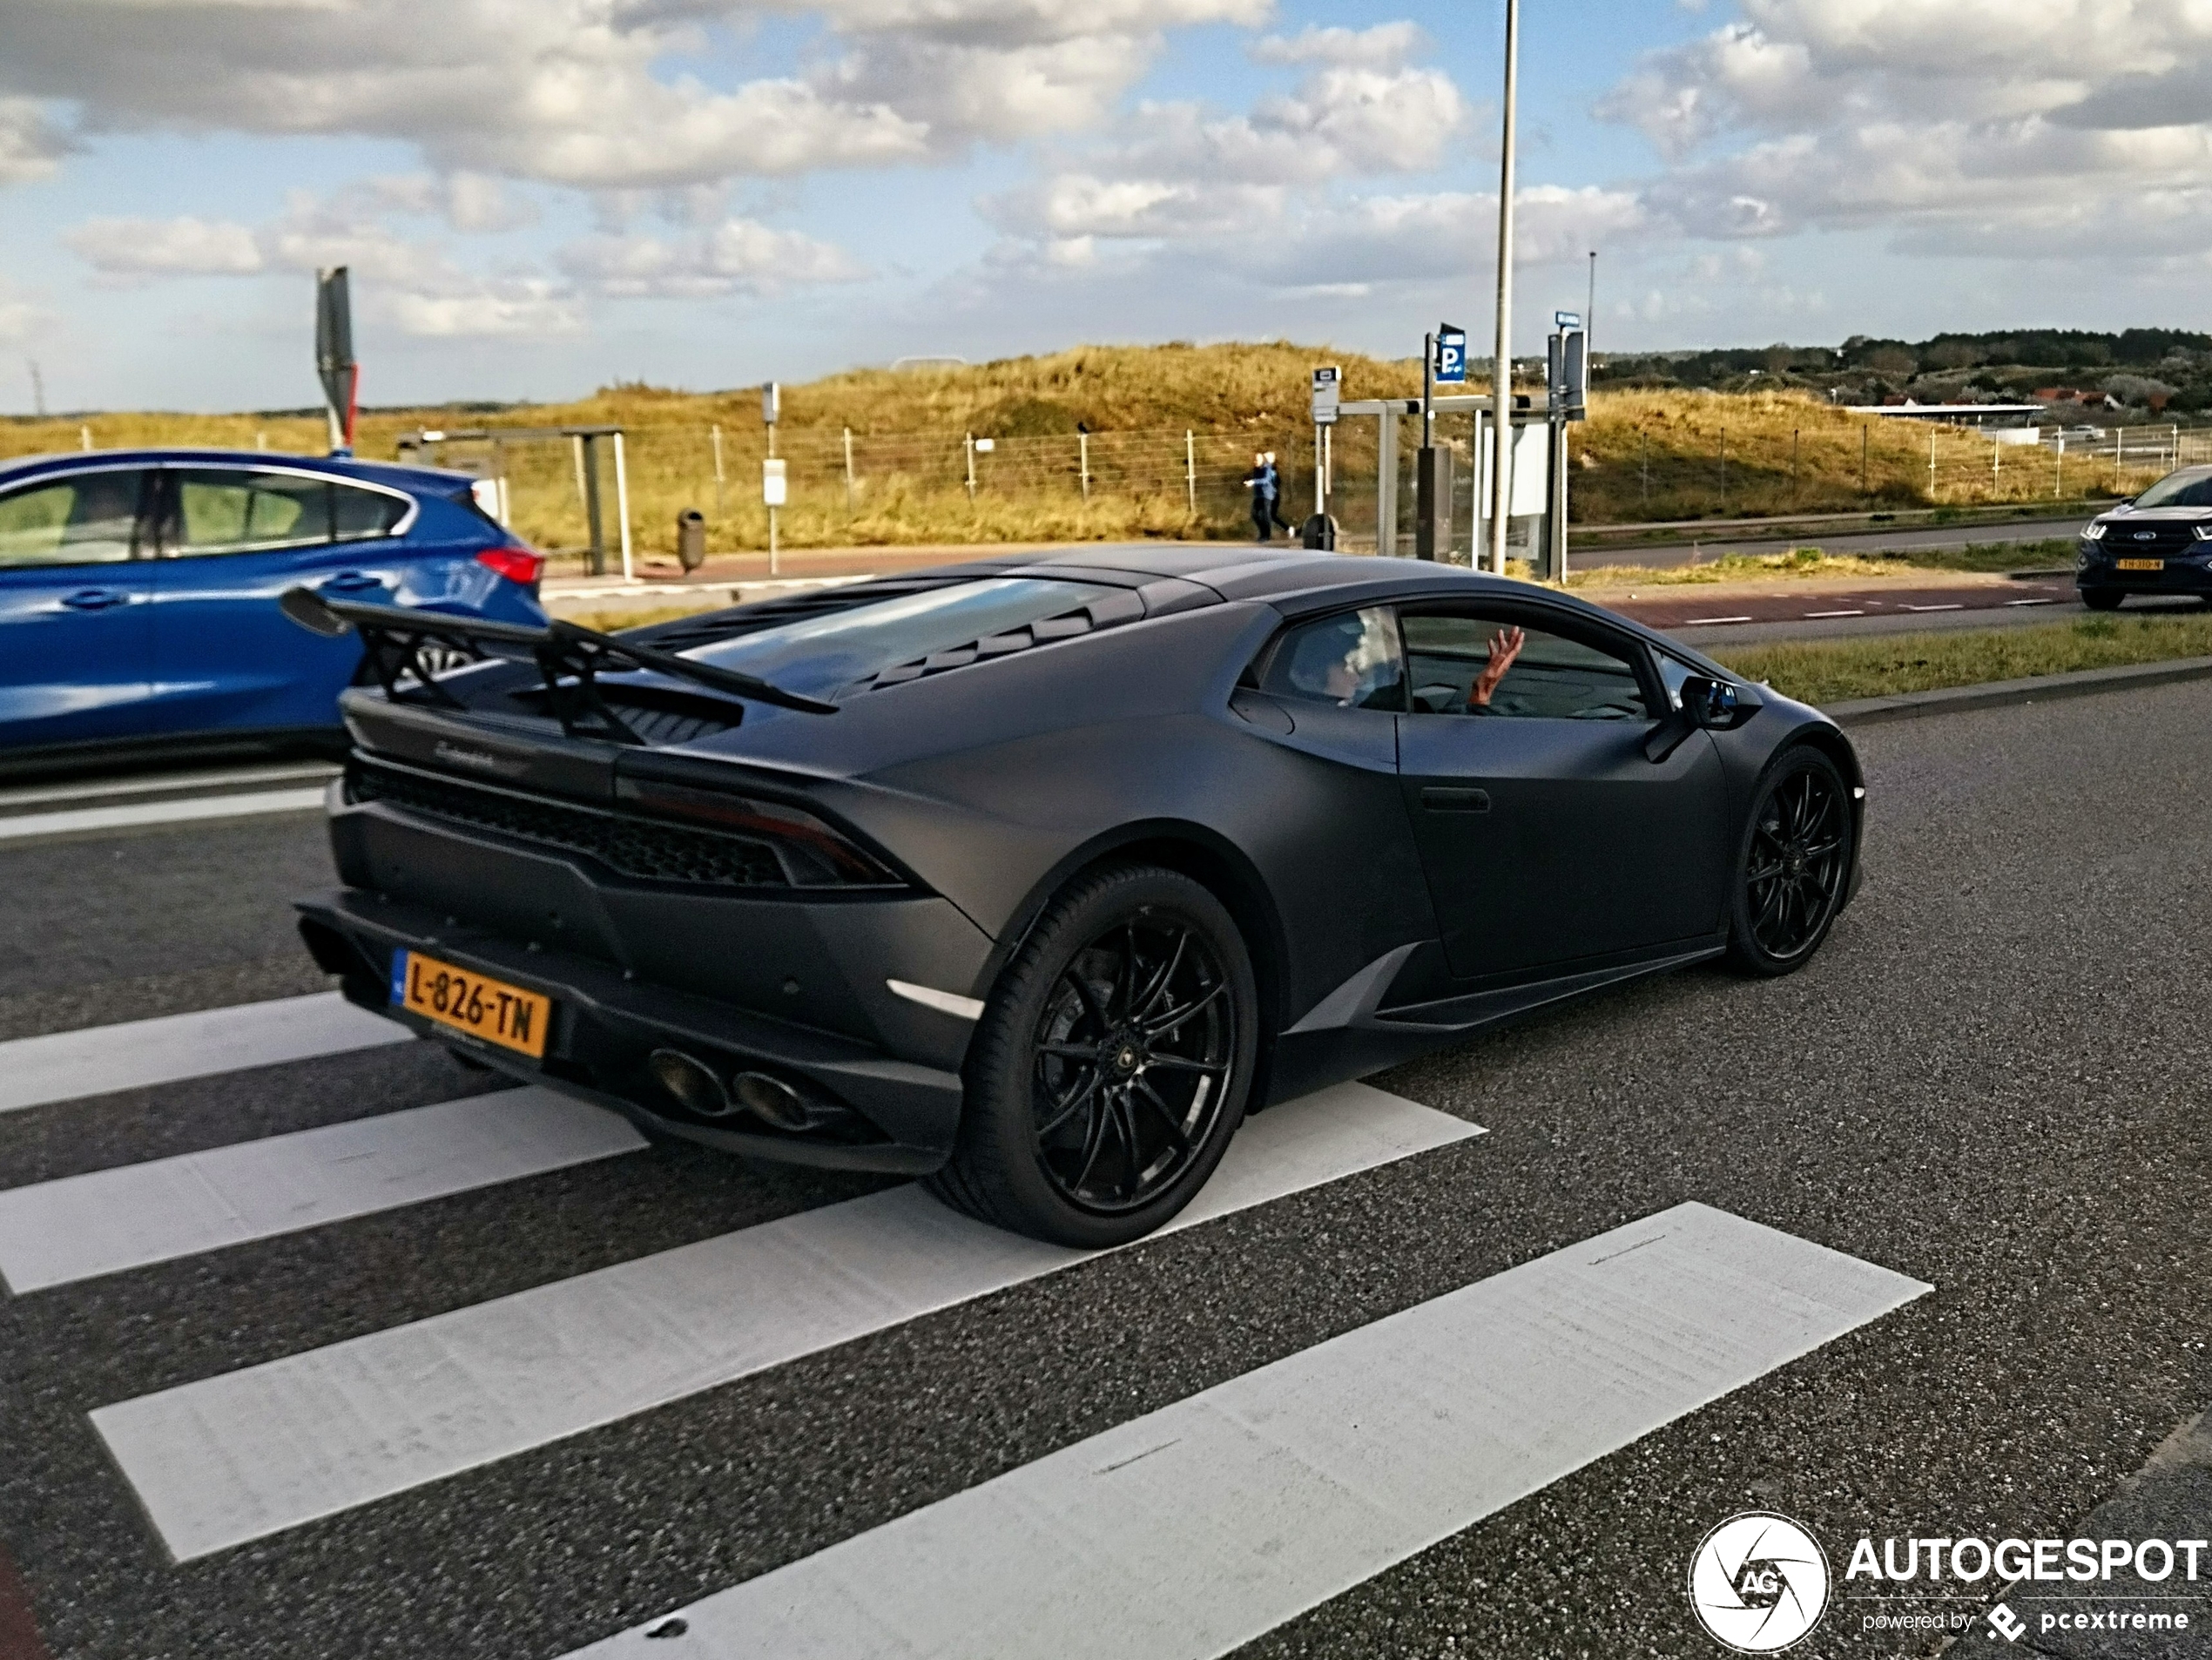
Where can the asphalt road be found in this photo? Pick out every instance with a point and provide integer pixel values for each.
(1992, 1080)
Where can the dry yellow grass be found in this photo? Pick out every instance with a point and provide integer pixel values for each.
(1643, 455)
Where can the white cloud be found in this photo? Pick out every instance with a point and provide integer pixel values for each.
(31, 145)
(1384, 46)
(22, 320)
(414, 286)
(584, 92)
(136, 249)
(738, 256)
(2005, 127)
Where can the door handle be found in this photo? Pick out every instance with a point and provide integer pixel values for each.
(1450, 800)
(95, 600)
(352, 582)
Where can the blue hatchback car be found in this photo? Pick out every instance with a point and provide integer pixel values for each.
(139, 591)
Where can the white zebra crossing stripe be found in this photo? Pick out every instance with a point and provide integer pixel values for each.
(56, 1232)
(253, 1451)
(79, 820)
(66, 1066)
(1191, 1530)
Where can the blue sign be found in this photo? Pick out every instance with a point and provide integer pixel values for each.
(1452, 357)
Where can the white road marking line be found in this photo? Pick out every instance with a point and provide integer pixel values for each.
(2031, 602)
(76, 820)
(1935, 608)
(253, 1451)
(97, 1060)
(1245, 1506)
(1816, 614)
(178, 783)
(1710, 622)
(102, 1223)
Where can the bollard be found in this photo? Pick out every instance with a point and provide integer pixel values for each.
(1318, 532)
(690, 538)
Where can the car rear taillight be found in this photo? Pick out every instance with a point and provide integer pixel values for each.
(813, 854)
(517, 564)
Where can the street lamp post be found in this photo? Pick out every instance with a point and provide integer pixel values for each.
(1501, 365)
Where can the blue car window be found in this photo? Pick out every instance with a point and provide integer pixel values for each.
(1351, 659)
(88, 519)
(221, 511)
(2191, 488)
(357, 514)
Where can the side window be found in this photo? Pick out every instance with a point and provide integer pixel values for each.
(1672, 672)
(357, 514)
(1351, 659)
(88, 519)
(1468, 664)
(216, 510)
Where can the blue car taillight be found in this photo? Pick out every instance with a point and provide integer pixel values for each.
(517, 564)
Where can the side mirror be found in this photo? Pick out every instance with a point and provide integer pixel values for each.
(312, 612)
(1707, 703)
(1717, 705)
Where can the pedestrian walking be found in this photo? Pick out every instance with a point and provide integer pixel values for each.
(1275, 495)
(1262, 482)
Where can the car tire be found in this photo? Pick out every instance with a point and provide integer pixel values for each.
(1793, 868)
(2101, 599)
(1111, 1064)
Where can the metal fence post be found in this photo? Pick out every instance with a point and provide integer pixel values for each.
(1190, 471)
(1082, 460)
(588, 447)
(1932, 483)
(849, 472)
(716, 433)
(1387, 482)
(970, 442)
(622, 507)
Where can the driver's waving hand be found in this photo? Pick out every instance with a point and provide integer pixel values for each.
(1505, 646)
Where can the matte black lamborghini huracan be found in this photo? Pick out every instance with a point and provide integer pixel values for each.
(1033, 876)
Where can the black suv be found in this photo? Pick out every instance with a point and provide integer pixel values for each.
(2161, 543)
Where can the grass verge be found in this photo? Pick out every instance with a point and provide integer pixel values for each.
(1825, 671)
(1811, 563)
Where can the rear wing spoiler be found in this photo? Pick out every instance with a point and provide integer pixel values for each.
(568, 658)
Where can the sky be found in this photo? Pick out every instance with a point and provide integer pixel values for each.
(539, 196)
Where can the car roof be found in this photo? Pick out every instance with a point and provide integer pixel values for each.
(432, 480)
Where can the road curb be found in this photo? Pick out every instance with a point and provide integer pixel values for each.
(1998, 694)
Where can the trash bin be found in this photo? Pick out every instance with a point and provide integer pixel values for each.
(690, 538)
(1318, 532)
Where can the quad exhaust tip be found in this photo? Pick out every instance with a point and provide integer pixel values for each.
(700, 1089)
(692, 1081)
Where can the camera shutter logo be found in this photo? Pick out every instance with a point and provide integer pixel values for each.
(1759, 1583)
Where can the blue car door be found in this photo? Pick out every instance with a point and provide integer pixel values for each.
(233, 540)
(75, 626)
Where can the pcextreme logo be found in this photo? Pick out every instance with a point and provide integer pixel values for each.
(1759, 1583)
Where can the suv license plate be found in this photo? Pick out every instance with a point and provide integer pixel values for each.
(2140, 564)
(475, 1003)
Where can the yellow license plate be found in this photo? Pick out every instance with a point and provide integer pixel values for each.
(474, 1004)
(2140, 564)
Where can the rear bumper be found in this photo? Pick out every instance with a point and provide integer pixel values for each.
(903, 1114)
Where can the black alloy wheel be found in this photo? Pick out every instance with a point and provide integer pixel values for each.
(1111, 1064)
(1131, 1063)
(1795, 867)
(2101, 599)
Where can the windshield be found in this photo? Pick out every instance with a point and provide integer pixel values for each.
(2192, 488)
(821, 655)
